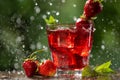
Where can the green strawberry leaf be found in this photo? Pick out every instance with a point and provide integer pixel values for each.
(51, 20)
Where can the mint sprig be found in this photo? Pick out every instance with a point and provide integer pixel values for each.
(50, 21)
(103, 69)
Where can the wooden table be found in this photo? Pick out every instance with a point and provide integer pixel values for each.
(19, 75)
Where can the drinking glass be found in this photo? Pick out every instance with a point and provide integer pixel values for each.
(70, 48)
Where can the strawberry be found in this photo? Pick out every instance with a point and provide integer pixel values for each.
(29, 67)
(92, 8)
(47, 68)
(84, 24)
(37, 63)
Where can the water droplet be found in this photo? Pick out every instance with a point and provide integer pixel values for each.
(23, 46)
(18, 39)
(74, 5)
(102, 47)
(50, 3)
(22, 72)
(104, 30)
(53, 11)
(14, 71)
(44, 16)
(18, 21)
(63, 1)
(32, 18)
(16, 65)
(48, 12)
(37, 9)
(43, 60)
(110, 22)
(36, 4)
(41, 27)
(91, 55)
(57, 20)
(116, 64)
(22, 37)
(98, 56)
(75, 18)
(32, 46)
(113, 58)
(45, 48)
(9, 72)
(38, 45)
(57, 13)
(102, 19)
(18, 72)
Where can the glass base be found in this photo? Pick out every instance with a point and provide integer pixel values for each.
(69, 74)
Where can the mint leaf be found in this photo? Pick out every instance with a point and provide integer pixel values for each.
(104, 68)
(104, 65)
(88, 72)
(51, 20)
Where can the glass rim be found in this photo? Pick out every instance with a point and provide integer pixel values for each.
(56, 26)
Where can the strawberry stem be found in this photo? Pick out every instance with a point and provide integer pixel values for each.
(82, 16)
(32, 56)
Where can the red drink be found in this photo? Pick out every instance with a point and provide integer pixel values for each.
(70, 46)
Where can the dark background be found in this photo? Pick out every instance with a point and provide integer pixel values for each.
(22, 29)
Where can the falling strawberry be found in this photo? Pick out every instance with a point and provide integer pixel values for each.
(30, 67)
(84, 24)
(47, 68)
(92, 8)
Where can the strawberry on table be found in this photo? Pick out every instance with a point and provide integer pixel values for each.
(47, 68)
(30, 64)
(30, 67)
(92, 8)
(37, 63)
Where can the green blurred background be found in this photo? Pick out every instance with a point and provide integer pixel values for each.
(22, 29)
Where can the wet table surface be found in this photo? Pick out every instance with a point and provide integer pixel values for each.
(19, 75)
